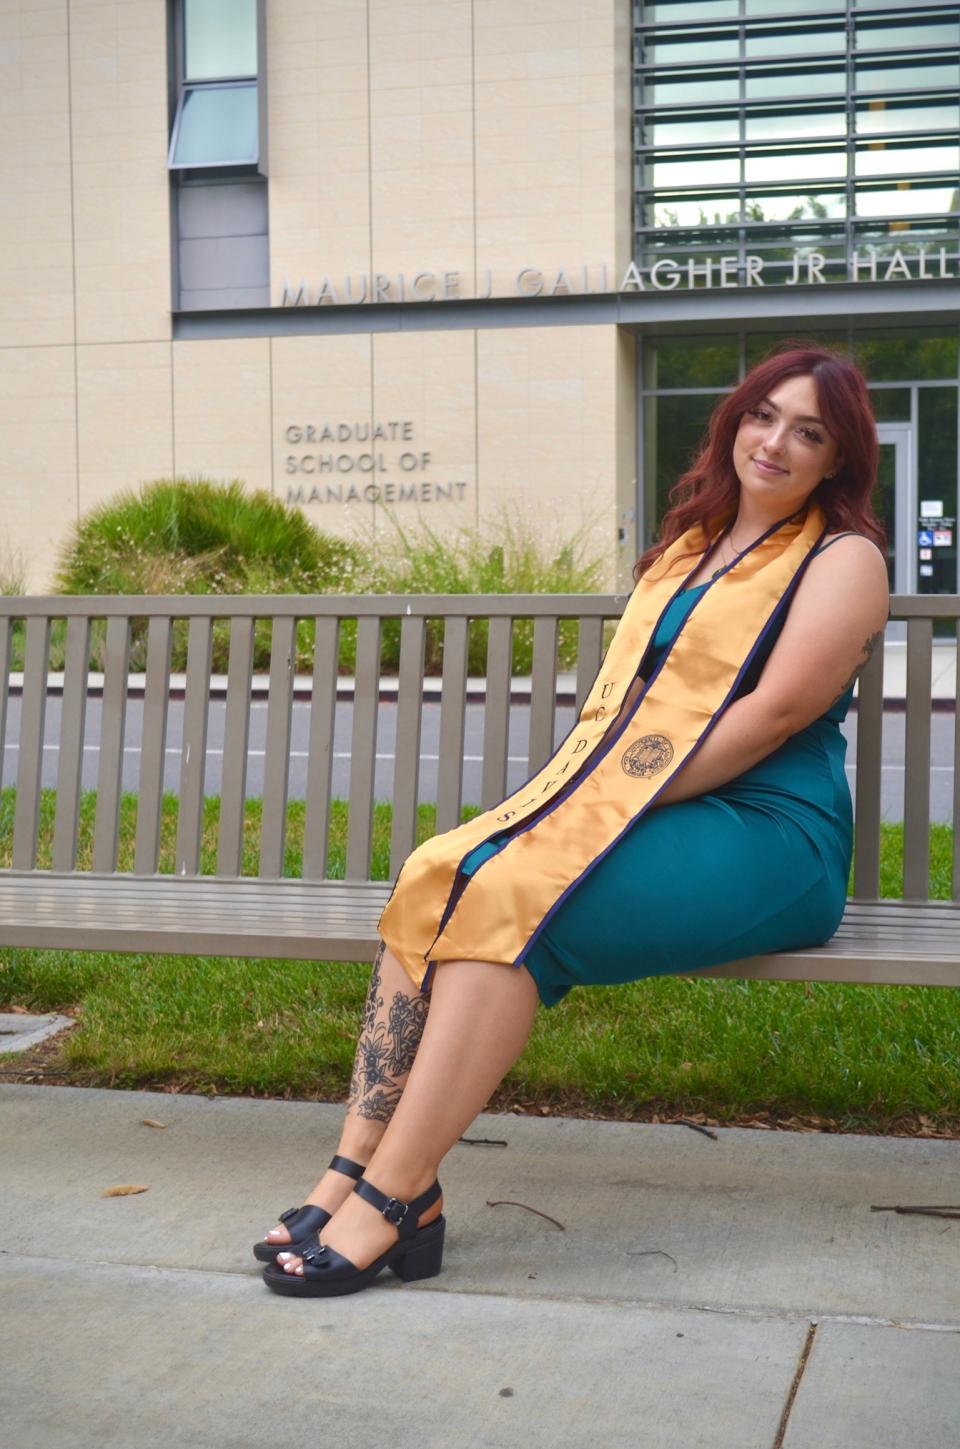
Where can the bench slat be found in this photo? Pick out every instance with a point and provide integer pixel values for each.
(70, 753)
(866, 853)
(543, 694)
(236, 743)
(290, 919)
(916, 779)
(496, 713)
(277, 763)
(589, 655)
(106, 831)
(194, 752)
(453, 715)
(153, 760)
(26, 819)
(4, 684)
(323, 705)
(363, 747)
(955, 883)
(406, 763)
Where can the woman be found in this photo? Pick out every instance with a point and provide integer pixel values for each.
(698, 813)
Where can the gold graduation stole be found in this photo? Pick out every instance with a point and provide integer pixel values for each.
(607, 771)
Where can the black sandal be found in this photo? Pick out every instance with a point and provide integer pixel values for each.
(417, 1253)
(305, 1222)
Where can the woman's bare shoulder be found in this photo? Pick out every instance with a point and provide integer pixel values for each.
(854, 541)
(848, 564)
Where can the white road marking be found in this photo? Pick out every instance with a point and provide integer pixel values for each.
(294, 754)
(346, 755)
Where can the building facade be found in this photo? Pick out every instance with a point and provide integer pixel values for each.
(446, 260)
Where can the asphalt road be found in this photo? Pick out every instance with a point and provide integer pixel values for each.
(893, 740)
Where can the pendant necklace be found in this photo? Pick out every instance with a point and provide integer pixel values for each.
(737, 555)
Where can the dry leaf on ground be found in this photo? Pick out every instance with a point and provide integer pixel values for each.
(125, 1189)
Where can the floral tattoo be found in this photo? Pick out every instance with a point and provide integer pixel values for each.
(386, 1049)
(867, 652)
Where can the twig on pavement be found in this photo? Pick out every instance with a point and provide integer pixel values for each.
(508, 1202)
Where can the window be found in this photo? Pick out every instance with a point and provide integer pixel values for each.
(771, 119)
(220, 102)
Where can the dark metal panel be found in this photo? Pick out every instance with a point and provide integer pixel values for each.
(222, 209)
(843, 302)
(212, 263)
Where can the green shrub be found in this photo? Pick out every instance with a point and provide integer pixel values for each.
(506, 556)
(199, 537)
(194, 536)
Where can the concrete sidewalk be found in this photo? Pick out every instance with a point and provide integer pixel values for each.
(728, 1294)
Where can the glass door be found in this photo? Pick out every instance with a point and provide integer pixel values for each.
(895, 503)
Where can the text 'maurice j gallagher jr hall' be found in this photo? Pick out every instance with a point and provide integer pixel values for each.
(439, 257)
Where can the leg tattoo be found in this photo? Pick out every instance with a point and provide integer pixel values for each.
(388, 1044)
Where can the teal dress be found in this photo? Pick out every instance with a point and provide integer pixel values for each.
(759, 864)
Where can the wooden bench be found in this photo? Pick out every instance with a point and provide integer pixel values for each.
(910, 941)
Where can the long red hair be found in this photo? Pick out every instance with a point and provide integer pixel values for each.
(708, 492)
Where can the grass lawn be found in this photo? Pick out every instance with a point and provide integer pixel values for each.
(792, 1054)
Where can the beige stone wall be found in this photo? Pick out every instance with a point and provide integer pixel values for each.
(403, 137)
(38, 464)
(36, 252)
(530, 423)
(125, 418)
(222, 420)
(84, 263)
(546, 414)
(479, 140)
(121, 184)
(319, 138)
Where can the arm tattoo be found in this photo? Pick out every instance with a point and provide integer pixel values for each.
(386, 1049)
(867, 652)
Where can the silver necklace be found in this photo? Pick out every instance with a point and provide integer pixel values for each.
(737, 553)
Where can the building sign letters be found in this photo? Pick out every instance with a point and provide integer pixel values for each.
(362, 462)
(805, 268)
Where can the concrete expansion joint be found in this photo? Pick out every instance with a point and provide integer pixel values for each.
(795, 1384)
(757, 1313)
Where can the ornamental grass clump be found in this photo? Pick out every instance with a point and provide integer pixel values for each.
(195, 536)
(512, 554)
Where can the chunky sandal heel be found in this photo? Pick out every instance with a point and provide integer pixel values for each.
(304, 1223)
(417, 1253)
(425, 1259)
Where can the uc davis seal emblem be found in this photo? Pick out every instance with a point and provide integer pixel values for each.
(647, 756)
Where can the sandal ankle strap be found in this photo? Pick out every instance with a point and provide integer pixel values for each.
(348, 1167)
(403, 1215)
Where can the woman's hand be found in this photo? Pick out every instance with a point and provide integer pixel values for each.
(835, 622)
